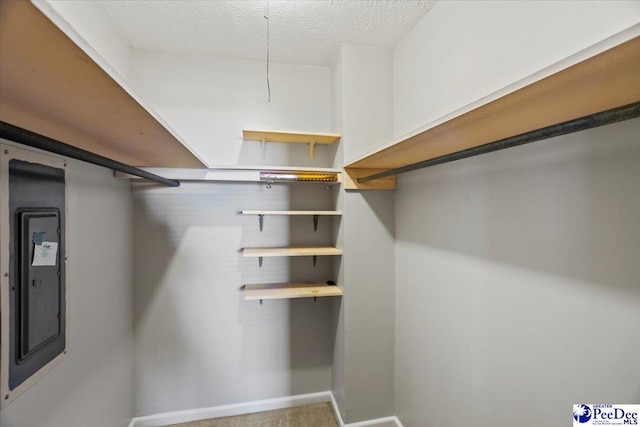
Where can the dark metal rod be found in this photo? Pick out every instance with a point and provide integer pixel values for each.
(32, 139)
(614, 115)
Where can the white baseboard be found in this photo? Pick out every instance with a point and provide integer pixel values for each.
(378, 422)
(166, 418)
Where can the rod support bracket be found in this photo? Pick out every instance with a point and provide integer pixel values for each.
(263, 148)
(312, 149)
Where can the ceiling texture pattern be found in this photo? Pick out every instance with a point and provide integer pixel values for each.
(301, 31)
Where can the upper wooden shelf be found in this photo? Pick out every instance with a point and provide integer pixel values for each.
(290, 290)
(291, 137)
(50, 86)
(607, 80)
(293, 213)
(292, 251)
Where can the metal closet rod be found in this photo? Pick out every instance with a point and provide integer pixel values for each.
(630, 111)
(32, 139)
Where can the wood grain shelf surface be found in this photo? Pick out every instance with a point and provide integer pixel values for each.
(52, 87)
(292, 251)
(293, 213)
(606, 80)
(289, 136)
(290, 290)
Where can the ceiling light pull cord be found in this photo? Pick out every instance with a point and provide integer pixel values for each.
(268, 48)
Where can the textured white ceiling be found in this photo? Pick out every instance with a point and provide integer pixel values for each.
(301, 31)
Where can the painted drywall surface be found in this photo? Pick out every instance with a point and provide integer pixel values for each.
(337, 372)
(368, 99)
(94, 385)
(209, 100)
(197, 342)
(462, 51)
(367, 238)
(517, 282)
(369, 299)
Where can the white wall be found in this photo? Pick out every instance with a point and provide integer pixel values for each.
(94, 385)
(514, 270)
(209, 100)
(362, 78)
(337, 372)
(368, 98)
(517, 282)
(462, 51)
(198, 343)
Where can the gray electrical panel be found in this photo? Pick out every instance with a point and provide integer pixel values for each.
(37, 273)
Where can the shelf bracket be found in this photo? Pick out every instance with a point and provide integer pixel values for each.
(260, 302)
(315, 223)
(263, 147)
(315, 259)
(312, 149)
(260, 261)
(261, 221)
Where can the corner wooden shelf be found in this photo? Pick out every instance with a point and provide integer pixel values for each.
(290, 137)
(290, 290)
(600, 78)
(292, 251)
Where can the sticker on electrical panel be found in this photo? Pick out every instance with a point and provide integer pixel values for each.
(45, 255)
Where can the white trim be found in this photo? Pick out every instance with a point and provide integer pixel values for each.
(229, 410)
(255, 406)
(379, 422)
(336, 409)
(7, 153)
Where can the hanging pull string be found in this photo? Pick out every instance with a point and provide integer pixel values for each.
(268, 48)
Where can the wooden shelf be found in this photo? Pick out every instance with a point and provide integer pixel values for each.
(582, 87)
(292, 213)
(52, 87)
(290, 137)
(292, 251)
(290, 290)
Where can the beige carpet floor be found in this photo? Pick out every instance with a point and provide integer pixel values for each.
(316, 415)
